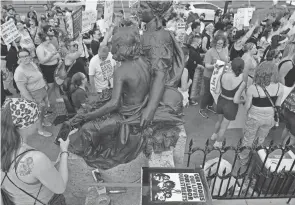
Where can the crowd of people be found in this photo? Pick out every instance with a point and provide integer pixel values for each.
(260, 61)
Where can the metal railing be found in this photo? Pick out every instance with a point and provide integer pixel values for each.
(256, 181)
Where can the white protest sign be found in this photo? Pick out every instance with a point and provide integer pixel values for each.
(180, 31)
(9, 32)
(132, 2)
(90, 5)
(108, 12)
(244, 15)
(88, 18)
(107, 69)
(215, 80)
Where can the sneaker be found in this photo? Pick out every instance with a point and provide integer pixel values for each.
(48, 113)
(211, 109)
(193, 103)
(217, 145)
(203, 113)
(47, 124)
(44, 133)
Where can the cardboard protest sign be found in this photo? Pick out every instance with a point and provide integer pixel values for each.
(77, 22)
(9, 32)
(108, 12)
(215, 80)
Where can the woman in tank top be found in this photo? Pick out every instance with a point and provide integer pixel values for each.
(260, 112)
(232, 86)
(48, 58)
(250, 62)
(287, 66)
(28, 175)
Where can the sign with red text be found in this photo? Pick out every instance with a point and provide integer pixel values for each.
(9, 32)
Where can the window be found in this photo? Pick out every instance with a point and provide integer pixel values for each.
(200, 6)
(211, 7)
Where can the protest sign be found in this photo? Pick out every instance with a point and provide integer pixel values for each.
(107, 69)
(108, 12)
(77, 22)
(180, 31)
(88, 18)
(243, 17)
(215, 80)
(90, 5)
(132, 3)
(9, 32)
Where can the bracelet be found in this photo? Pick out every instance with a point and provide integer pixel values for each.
(64, 152)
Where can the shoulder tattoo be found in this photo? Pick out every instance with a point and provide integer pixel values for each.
(25, 167)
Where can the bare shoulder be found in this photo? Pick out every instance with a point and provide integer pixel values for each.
(30, 161)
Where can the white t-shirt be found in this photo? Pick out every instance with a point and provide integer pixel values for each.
(102, 71)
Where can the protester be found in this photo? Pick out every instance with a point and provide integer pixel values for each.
(195, 30)
(78, 89)
(250, 62)
(260, 117)
(232, 86)
(95, 43)
(207, 37)
(34, 30)
(194, 65)
(218, 51)
(287, 66)
(29, 176)
(48, 58)
(26, 40)
(53, 37)
(32, 86)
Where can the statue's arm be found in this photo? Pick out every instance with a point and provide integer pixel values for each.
(114, 103)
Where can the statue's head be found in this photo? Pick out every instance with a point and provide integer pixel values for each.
(126, 43)
(150, 9)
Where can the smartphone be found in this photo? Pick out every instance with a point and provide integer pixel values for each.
(97, 176)
(63, 133)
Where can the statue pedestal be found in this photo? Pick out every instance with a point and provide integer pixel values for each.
(172, 158)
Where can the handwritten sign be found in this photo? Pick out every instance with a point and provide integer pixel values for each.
(108, 12)
(107, 69)
(243, 17)
(180, 33)
(215, 80)
(88, 18)
(9, 32)
(77, 22)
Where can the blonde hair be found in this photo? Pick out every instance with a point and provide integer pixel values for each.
(266, 73)
(289, 51)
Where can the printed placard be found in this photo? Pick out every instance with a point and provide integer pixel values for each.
(9, 32)
(88, 18)
(215, 80)
(176, 187)
(77, 22)
(107, 69)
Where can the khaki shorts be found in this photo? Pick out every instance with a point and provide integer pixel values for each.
(40, 96)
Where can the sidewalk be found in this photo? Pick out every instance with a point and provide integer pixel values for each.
(254, 202)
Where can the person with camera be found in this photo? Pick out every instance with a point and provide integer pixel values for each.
(28, 176)
(262, 103)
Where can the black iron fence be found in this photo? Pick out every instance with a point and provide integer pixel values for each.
(269, 171)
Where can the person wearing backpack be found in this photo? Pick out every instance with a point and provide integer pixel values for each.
(28, 176)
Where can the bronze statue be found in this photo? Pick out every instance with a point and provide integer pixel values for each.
(164, 53)
(145, 107)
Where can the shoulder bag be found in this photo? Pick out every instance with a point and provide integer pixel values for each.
(60, 73)
(276, 109)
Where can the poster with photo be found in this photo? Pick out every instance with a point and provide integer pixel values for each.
(163, 186)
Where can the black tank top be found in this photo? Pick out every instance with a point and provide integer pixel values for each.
(234, 53)
(264, 101)
(230, 93)
(290, 77)
(208, 40)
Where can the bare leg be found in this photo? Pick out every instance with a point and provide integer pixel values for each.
(217, 127)
(50, 89)
(223, 128)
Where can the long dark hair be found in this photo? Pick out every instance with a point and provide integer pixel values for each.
(76, 81)
(10, 138)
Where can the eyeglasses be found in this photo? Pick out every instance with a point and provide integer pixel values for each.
(219, 44)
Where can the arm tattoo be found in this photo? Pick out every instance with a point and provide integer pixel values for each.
(26, 166)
